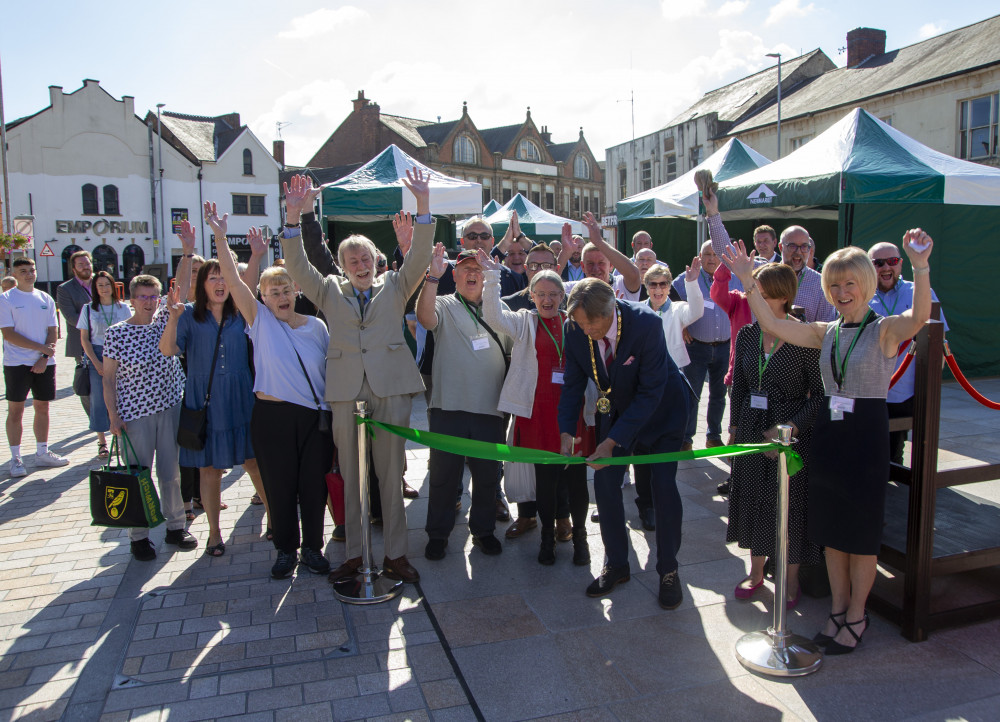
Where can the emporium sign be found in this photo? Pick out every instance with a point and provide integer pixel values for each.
(102, 227)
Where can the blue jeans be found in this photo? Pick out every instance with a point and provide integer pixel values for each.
(99, 420)
(712, 361)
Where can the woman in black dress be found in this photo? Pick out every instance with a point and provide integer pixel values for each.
(850, 448)
(773, 383)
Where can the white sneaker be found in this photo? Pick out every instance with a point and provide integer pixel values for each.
(17, 467)
(47, 458)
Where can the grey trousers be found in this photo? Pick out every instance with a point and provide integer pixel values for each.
(157, 435)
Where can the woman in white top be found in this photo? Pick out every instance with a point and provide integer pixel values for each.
(289, 425)
(95, 318)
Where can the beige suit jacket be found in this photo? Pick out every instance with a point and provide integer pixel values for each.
(373, 346)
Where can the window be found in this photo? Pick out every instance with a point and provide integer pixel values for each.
(595, 205)
(508, 191)
(646, 175)
(887, 120)
(111, 201)
(670, 163)
(487, 195)
(581, 166)
(522, 188)
(90, 205)
(463, 150)
(550, 198)
(586, 203)
(527, 150)
(244, 205)
(977, 129)
(796, 143)
(536, 194)
(576, 201)
(565, 202)
(622, 182)
(247, 162)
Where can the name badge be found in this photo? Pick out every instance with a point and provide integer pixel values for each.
(758, 401)
(557, 376)
(841, 403)
(709, 305)
(836, 415)
(480, 342)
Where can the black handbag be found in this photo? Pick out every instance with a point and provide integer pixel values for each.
(81, 374)
(122, 496)
(192, 428)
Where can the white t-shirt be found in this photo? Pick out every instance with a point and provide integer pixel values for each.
(617, 284)
(102, 320)
(278, 372)
(31, 315)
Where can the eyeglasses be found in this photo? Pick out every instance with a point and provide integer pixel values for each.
(144, 299)
(554, 295)
(543, 266)
(484, 236)
(892, 261)
(656, 284)
(793, 247)
(287, 293)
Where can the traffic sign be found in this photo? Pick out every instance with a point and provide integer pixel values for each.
(46, 251)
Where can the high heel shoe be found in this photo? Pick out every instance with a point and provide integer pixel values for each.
(838, 648)
(824, 639)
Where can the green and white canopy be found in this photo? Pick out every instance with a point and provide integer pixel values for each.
(376, 189)
(859, 160)
(490, 208)
(679, 197)
(535, 222)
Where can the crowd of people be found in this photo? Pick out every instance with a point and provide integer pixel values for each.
(568, 347)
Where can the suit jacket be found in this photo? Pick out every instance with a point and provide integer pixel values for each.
(372, 346)
(71, 297)
(648, 397)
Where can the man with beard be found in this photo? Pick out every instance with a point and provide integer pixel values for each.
(894, 295)
(71, 297)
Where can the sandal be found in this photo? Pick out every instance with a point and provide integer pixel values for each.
(216, 550)
(838, 648)
(189, 514)
(255, 500)
(824, 639)
(196, 503)
(102, 451)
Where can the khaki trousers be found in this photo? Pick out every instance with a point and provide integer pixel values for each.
(388, 451)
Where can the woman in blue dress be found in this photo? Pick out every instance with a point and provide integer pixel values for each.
(193, 329)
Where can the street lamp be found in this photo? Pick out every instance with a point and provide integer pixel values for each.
(163, 231)
(778, 56)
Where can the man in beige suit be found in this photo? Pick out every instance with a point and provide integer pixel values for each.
(368, 359)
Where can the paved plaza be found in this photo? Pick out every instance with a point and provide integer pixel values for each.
(90, 634)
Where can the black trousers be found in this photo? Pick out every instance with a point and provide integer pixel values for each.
(897, 439)
(446, 472)
(293, 456)
(553, 481)
(190, 483)
(643, 486)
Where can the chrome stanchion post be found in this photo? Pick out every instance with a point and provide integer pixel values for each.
(368, 586)
(776, 651)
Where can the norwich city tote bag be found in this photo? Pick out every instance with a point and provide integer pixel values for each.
(123, 495)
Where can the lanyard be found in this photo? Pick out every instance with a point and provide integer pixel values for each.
(107, 319)
(473, 316)
(763, 360)
(558, 344)
(892, 310)
(839, 374)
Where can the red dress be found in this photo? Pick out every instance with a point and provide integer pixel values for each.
(541, 431)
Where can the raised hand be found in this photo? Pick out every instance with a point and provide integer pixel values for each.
(918, 246)
(567, 235)
(691, 272)
(593, 226)
(488, 263)
(515, 224)
(739, 262)
(300, 194)
(419, 185)
(258, 244)
(711, 202)
(174, 303)
(439, 261)
(218, 225)
(402, 224)
(187, 236)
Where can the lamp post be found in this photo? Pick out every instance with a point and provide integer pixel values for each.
(778, 56)
(163, 231)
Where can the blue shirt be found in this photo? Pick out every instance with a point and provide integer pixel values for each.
(713, 326)
(893, 302)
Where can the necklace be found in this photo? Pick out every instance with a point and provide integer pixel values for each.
(604, 403)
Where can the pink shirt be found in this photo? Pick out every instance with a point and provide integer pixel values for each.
(736, 306)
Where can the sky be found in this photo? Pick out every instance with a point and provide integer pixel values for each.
(575, 63)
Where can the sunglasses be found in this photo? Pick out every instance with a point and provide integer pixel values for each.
(657, 284)
(879, 262)
(484, 236)
(543, 266)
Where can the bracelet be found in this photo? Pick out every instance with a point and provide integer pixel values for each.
(292, 225)
(918, 271)
(431, 279)
(750, 290)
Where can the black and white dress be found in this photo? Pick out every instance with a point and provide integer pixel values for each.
(794, 389)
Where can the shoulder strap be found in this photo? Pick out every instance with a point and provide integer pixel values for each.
(215, 357)
(491, 332)
(302, 366)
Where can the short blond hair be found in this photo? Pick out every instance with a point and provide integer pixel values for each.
(850, 261)
(657, 271)
(274, 276)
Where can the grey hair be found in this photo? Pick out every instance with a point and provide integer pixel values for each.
(144, 280)
(592, 296)
(550, 276)
(356, 241)
(795, 229)
(477, 219)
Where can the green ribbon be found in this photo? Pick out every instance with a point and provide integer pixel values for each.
(503, 452)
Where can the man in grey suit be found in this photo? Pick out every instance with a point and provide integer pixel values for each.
(71, 297)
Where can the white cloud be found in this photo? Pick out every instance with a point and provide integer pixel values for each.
(677, 9)
(929, 30)
(732, 7)
(320, 22)
(786, 9)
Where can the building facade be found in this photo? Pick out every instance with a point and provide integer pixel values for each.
(563, 178)
(88, 169)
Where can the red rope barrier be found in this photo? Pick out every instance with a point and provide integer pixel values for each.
(906, 362)
(953, 365)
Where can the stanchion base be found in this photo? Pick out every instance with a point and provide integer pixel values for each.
(759, 652)
(367, 589)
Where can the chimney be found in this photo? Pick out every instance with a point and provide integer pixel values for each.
(864, 43)
(546, 135)
(56, 98)
(278, 151)
(231, 119)
(360, 102)
(129, 102)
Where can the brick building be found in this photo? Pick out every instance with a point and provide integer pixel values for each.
(563, 178)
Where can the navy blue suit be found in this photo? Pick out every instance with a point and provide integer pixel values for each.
(649, 410)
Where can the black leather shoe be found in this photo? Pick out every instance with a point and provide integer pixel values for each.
(435, 549)
(671, 592)
(648, 517)
(723, 488)
(609, 579)
(143, 551)
(284, 565)
(315, 560)
(182, 538)
(490, 545)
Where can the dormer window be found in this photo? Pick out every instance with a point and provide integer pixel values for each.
(464, 150)
(581, 167)
(527, 150)
(247, 162)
